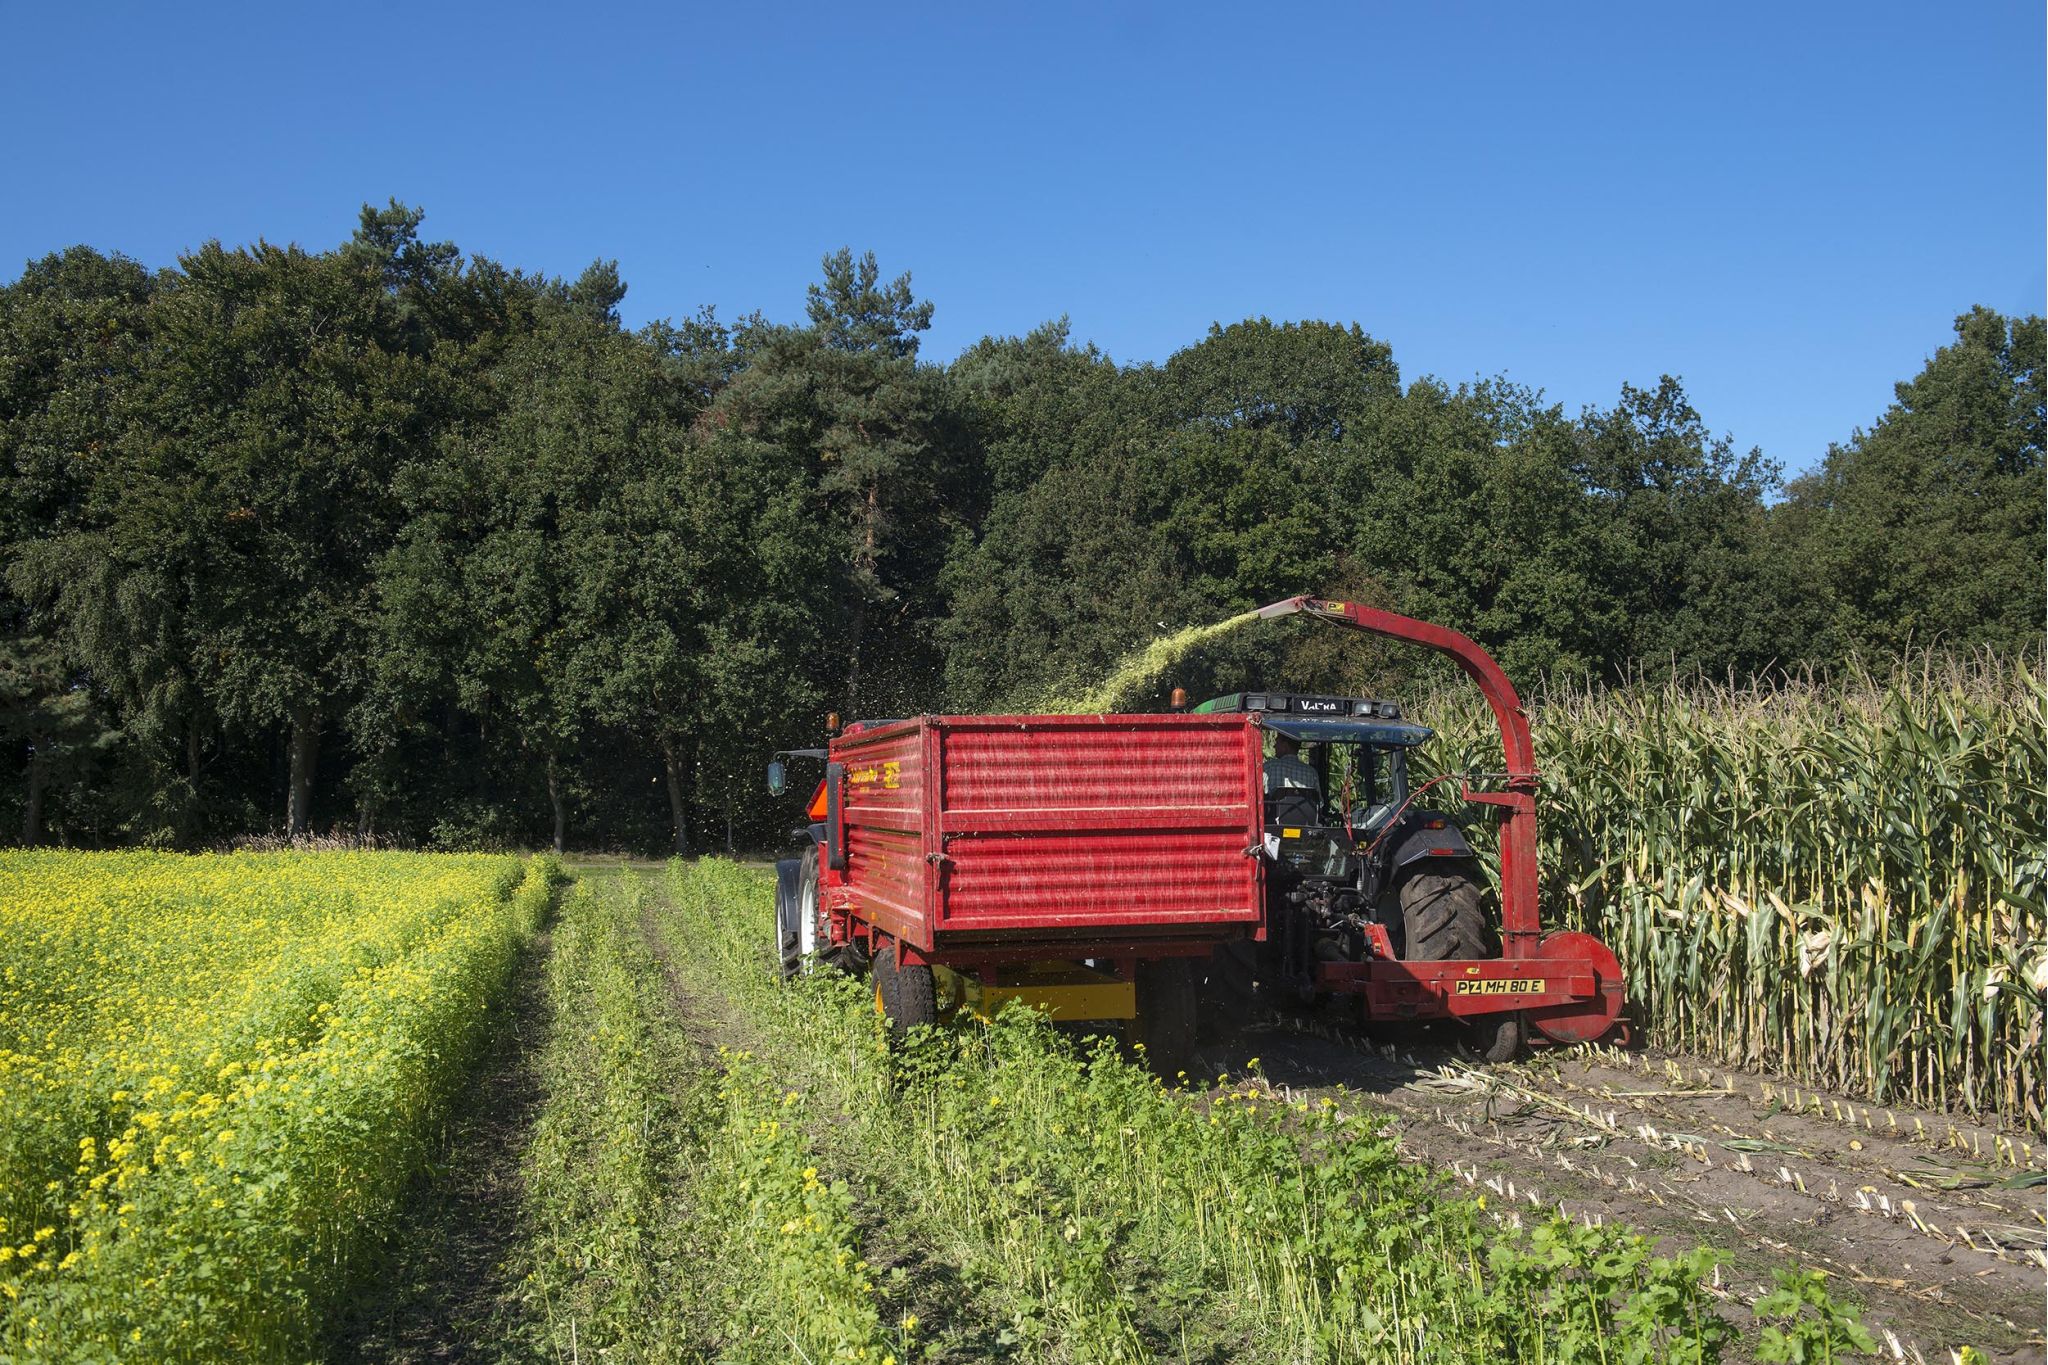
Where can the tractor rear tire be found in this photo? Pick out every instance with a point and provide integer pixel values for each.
(1443, 917)
(909, 996)
(1166, 1015)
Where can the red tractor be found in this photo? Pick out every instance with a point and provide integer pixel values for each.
(1103, 867)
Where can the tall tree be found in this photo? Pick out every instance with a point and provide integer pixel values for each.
(1929, 527)
(887, 456)
(73, 333)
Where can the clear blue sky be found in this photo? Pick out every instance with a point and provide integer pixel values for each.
(1784, 204)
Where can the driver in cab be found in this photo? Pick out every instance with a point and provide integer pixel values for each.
(1294, 790)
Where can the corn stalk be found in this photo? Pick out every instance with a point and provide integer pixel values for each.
(1838, 879)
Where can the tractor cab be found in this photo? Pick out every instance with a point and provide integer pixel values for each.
(1342, 834)
(1336, 777)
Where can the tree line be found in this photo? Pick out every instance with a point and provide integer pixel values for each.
(402, 542)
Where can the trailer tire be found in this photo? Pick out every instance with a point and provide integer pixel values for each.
(1229, 991)
(1166, 1014)
(909, 996)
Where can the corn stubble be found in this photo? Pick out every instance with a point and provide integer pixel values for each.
(1837, 879)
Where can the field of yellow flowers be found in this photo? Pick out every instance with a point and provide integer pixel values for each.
(217, 1075)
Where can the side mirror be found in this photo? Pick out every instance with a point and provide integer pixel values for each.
(778, 780)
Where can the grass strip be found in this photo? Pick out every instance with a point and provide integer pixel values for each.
(1124, 1220)
(674, 1207)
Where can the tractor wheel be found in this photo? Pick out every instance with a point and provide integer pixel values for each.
(1443, 917)
(906, 991)
(1495, 1037)
(1166, 1015)
(789, 953)
(802, 936)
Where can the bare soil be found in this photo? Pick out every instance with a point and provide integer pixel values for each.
(447, 1293)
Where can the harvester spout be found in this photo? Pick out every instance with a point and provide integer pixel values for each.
(1286, 608)
(1518, 796)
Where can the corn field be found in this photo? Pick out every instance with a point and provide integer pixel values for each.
(1838, 879)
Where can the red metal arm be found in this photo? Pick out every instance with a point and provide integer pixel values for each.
(1518, 832)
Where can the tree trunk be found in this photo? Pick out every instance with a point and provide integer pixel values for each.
(188, 809)
(867, 578)
(38, 778)
(561, 808)
(673, 770)
(305, 748)
(857, 627)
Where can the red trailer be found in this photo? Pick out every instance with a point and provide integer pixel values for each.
(1084, 864)
(1094, 866)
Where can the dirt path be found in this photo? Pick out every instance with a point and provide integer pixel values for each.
(1694, 1156)
(915, 1274)
(448, 1287)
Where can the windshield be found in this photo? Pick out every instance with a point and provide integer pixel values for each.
(1330, 784)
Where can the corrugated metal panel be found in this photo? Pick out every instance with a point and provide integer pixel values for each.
(1093, 767)
(887, 819)
(1107, 824)
(1141, 878)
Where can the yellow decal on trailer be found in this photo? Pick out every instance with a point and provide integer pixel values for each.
(889, 775)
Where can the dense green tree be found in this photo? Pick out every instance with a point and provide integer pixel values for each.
(387, 532)
(73, 331)
(1928, 528)
(875, 437)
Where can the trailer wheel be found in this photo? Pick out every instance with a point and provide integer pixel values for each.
(906, 991)
(1228, 991)
(1166, 1014)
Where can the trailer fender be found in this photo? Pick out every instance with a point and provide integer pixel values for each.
(1431, 838)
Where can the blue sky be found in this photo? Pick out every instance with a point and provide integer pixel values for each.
(1784, 204)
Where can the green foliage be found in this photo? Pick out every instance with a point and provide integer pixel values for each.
(1816, 1328)
(1927, 529)
(391, 541)
(1838, 879)
(674, 1207)
(223, 1073)
(1114, 1217)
